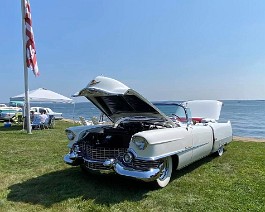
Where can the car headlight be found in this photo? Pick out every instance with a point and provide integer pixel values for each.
(70, 135)
(128, 157)
(140, 142)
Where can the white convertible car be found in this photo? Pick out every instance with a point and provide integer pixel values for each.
(143, 142)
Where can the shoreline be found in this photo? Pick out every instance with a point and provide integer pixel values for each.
(248, 139)
(235, 138)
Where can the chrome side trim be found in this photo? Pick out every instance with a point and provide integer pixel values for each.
(169, 141)
(195, 147)
(160, 156)
(181, 151)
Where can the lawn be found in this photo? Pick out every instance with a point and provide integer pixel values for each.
(35, 178)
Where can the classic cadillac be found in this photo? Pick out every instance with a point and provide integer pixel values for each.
(143, 142)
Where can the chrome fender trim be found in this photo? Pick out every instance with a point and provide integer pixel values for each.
(147, 176)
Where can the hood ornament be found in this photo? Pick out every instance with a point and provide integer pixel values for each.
(93, 82)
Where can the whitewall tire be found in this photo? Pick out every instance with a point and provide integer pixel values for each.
(220, 151)
(165, 176)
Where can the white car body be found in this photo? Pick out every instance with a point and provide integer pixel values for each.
(49, 111)
(7, 113)
(143, 142)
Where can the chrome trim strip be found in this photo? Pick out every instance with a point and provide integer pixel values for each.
(94, 161)
(166, 141)
(98, 170)
(158, 157)
(200, 145)
(181, 151)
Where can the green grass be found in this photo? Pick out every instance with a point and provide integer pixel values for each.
(33, 177)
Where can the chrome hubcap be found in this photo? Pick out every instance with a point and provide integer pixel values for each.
(164, 171)
(221, 150)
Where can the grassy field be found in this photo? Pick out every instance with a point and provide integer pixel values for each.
(33, 177)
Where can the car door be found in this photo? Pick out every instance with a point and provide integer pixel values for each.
(186, 144)
(186, 131)
(202, 139)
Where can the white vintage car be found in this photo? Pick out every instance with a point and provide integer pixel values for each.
(143, 142)
(37, 110)
(8, 113)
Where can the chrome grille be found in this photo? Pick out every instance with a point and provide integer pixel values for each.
(96, 166)
(95, 156)
(144, 165)
(101, 153)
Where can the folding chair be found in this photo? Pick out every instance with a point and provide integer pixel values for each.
(18, 118)
(49, 122)
(36, 124)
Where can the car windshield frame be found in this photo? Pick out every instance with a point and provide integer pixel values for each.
(182, 115)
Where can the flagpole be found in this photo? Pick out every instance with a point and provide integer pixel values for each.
(27, 105)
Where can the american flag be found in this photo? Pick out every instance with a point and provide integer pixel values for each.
(31, 58)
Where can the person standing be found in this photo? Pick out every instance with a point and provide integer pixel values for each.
(32, 116)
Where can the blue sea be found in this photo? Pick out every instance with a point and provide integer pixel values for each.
(246, 116)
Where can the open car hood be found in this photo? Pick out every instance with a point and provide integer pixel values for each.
(116, 100)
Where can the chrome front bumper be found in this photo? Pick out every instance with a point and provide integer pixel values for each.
(149, 175)
(119, 168)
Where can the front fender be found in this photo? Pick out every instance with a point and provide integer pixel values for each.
(163, 143)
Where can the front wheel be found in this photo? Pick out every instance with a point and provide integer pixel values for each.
(165, 175)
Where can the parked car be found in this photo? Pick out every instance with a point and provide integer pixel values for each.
(7, 113)
(37, 110)
(143, 142)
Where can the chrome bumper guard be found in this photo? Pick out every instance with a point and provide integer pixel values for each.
(147, 176)
(68, 159)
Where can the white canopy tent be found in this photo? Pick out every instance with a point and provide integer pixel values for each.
(42, 95)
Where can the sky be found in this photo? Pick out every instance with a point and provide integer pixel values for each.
(165, 50)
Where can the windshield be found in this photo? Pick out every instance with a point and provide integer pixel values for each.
(175, 111)
(167, 109)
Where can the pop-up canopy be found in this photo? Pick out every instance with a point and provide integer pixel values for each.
(42, 95)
